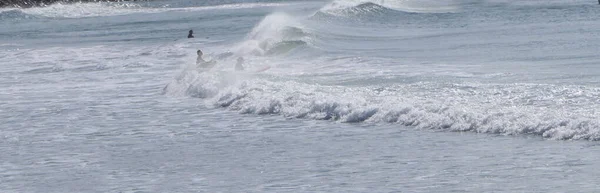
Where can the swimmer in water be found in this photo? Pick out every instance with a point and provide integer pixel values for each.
(190, 34)
(201, 63)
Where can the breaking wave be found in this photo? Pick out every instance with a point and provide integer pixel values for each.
(552, 111)
(549, 111)
(276, 34)
(521, 114)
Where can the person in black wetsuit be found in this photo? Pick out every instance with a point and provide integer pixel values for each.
(190, 35)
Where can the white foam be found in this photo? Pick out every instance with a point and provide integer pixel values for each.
(79, 10)
(550, 111)
(231, 6)
(272, 29)
(5, 9)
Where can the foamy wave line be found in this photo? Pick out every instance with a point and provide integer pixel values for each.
(232, 6)
(345, 104)
(7, 9)
(79, 10)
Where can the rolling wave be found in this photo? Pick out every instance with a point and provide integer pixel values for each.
(496, 109)
(283, 47)
(552, 111)
(276, 34)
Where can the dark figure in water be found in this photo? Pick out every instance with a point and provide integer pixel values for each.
(238, 65)
(190, 35)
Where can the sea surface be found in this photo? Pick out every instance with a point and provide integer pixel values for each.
(358, 96)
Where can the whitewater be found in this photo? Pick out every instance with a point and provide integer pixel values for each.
(358, 96)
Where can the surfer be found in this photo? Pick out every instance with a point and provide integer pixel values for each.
(201, 63)
(190, 34)
(238, 65)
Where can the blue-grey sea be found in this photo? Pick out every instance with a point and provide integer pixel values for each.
(336, 96)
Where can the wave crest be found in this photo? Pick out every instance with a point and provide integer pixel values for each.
(344, 104)
(276, 34)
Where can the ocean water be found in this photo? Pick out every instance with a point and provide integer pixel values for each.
(359, 96)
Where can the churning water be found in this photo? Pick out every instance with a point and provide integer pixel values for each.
(359, 96)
